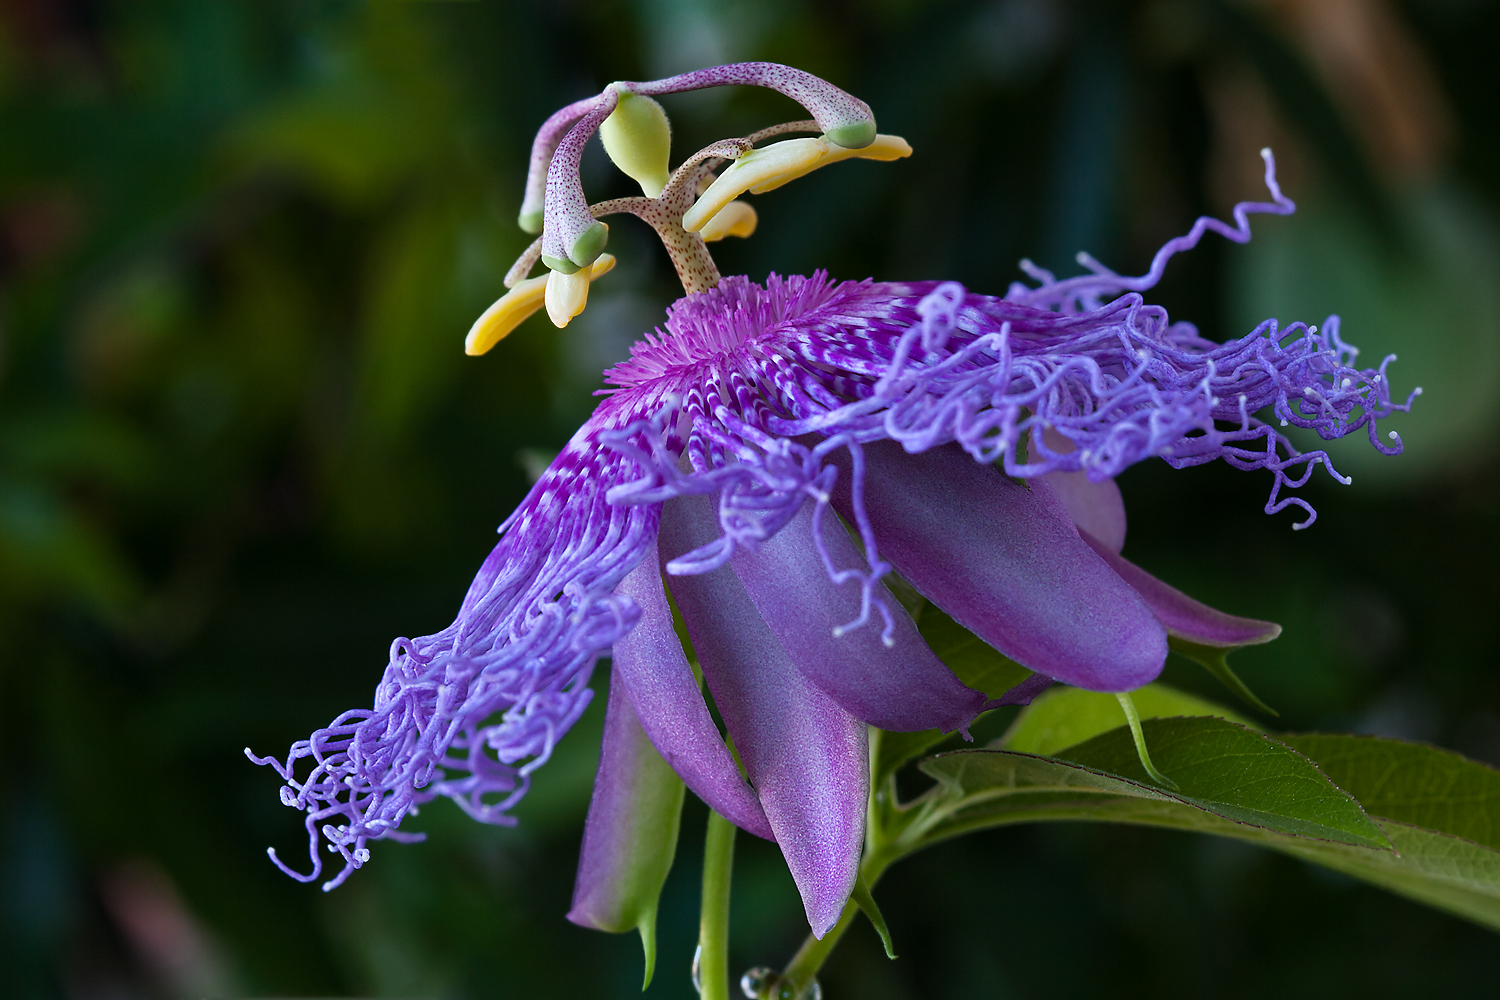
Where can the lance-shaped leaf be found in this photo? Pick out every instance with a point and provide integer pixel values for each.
(1066, 717)
(630, 836)
(1441, 811)
(1231, 781)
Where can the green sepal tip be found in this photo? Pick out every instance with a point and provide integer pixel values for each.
(1215, 660)
(1133, 719)
(589, 244)
(560, 264)
(647, 927)
(867, 905)
(531, 221)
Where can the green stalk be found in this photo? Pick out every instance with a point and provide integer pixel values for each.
(1133, 720)
(713, 923)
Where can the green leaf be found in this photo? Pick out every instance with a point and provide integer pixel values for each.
(1441, 811)
(1064, 716)
(1446, 872)
(1411, 783)
(978, 664)
(1230, 780)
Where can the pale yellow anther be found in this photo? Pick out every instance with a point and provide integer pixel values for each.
(769, 167)
(638, 138)
(791, 156)
(566, 296)
(884, 149)
(737, 218)
(522, 302)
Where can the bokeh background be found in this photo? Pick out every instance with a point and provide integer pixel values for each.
(241, 449)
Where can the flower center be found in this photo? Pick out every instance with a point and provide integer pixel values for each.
(712, 325)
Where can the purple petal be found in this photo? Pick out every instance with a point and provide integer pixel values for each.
(1095, 507)
(1184, 617)
(631, 832)
(806, 756)
(653, 667)
(1024, 692)
(902, 687)
(1006, 563)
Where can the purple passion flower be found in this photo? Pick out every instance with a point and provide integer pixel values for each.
(776, 450)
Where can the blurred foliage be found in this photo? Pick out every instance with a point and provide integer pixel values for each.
(241, 448)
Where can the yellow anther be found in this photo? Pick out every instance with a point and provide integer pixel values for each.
(567, 294)
(884, 149)
(519, 304)
(638, 138)
(769, 167)
(737, 218)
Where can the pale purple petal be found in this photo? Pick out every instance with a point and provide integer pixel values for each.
(900, 687)
(1096, 507)
(806, 756)
(1003, 559)
(631, 832)
(651, 664)
(1184, 617)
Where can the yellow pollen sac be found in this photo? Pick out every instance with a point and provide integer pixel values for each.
(566, 295)
(737, 218)
(520, 303)
(769, 167)
(638, 138)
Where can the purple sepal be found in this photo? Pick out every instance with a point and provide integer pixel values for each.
(1005, 561)
(1023, 692)
(1184, 617)
(806, 756)
(630, 836)
(898, 685)
(650, 663)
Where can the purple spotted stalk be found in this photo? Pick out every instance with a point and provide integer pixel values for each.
(967, 442)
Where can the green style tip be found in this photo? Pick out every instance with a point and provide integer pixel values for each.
(855, 135)
(589, 244)
(561, 264)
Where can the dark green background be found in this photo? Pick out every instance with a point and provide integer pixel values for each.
(241, 449)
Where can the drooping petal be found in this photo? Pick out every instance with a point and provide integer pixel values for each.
(1004, 560)
(630, 836)
(1184, 617)
(651, 664)
(902, 687)
(1094, 507)
(806, 756)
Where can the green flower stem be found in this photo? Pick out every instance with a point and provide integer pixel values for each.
(713, 922)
